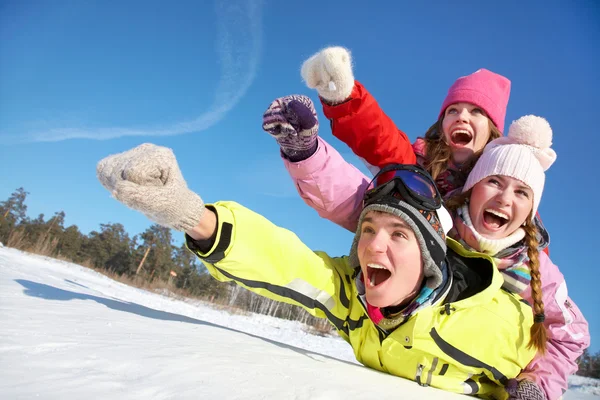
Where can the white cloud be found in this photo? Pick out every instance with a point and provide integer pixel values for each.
(239, 41)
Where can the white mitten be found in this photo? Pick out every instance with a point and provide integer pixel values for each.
(330, 72)
(147, 179)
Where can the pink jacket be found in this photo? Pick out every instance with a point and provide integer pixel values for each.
(334, 188)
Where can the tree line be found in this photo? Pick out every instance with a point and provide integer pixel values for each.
(589, 364)
(149, 259)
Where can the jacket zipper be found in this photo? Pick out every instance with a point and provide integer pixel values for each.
(419, 373)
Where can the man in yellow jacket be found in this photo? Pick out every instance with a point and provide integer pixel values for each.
(406, 303)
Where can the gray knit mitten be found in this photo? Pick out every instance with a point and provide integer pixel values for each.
(524, 390)
(147, 179)
(292, 121)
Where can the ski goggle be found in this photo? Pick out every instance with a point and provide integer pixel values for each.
(409, 182)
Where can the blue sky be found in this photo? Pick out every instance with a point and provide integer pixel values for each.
(81, 80)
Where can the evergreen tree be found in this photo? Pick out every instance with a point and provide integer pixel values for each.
(12, 213)
(49, 234)
(34, 230)
(595, 366)
(109, 248)
(159, 261)
(15, 207)
(70, 244)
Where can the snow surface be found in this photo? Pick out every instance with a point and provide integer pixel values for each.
(67, 332)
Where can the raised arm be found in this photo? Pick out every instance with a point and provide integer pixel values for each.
(324, 180)
(356, 118)
(272, 262)
(330, 185)
(236, 243)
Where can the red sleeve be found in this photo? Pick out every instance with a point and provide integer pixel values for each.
(363, 126)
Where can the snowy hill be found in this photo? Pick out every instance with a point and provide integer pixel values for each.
(67, 332)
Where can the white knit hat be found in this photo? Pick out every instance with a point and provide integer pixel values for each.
(524, 154)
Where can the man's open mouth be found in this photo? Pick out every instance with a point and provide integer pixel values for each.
(377, 274)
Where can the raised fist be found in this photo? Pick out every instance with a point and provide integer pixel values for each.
(292, 121)
(330, 72)
(147, 179)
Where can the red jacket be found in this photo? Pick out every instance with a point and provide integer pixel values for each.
(363, 126)
(373, 136)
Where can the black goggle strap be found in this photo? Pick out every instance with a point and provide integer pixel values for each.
(379, 191)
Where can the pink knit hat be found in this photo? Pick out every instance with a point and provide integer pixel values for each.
(485, 89)
(523, 154)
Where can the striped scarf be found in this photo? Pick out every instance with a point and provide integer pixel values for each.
(509, 253)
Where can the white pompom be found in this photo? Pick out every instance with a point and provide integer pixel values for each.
(531, 130)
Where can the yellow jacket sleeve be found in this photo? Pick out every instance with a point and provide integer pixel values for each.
(274, 263)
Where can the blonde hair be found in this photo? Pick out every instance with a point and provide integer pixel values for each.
(539, 335)
(438, 153)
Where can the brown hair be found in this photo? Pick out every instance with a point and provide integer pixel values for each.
(456, 201)
(438, 153)
(538, 330)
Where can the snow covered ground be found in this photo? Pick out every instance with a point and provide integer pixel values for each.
(67, 332)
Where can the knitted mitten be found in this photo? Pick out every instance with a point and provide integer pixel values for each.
(147, 179)
(292, 121)
(330, 72)
(524, 390)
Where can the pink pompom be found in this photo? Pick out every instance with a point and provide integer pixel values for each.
(531, 130)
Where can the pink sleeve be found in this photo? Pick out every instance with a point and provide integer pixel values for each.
(568, 334)
(330, 185)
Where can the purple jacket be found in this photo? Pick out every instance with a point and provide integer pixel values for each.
(334, 188)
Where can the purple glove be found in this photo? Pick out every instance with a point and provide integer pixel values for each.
(524, 390)
(292, 121)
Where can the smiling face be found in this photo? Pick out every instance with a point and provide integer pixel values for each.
(390, 260)
(499, 205)
(466, 129)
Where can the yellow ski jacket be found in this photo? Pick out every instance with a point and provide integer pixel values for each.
(471, 343)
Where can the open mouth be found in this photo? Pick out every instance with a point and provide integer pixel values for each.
(495, 219)
(377, 274)
(461, 137)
